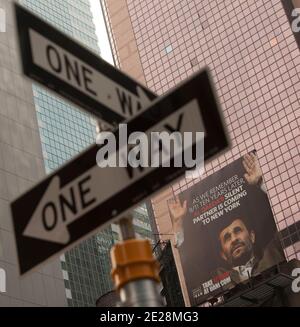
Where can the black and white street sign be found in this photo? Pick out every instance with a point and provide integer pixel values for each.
(56, 61)
(80, 197)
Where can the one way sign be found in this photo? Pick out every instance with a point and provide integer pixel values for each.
(80, 197)
(53, 59)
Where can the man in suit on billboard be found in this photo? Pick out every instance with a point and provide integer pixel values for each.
(237, 238)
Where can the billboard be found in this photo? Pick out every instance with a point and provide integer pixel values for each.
(224, 229)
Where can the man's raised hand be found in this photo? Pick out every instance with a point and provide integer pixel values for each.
(253, 173)
(177, 211)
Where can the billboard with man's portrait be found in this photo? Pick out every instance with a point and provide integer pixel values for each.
(224, 229)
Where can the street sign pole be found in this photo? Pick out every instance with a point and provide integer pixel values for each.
(135, 271)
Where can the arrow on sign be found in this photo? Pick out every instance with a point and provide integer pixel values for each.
(57, 209)
(60, 206)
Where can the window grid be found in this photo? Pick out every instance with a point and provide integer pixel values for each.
(255, 64)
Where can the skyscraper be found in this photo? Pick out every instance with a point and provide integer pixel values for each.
(21, 166)
(250, 48)
(66, 131)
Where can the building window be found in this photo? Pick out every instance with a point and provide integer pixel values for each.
(168, 49)
(68, 293)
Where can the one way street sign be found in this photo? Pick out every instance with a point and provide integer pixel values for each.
(73, 202)
(54, 60)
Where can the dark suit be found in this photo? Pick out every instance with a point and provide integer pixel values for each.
(272, 255)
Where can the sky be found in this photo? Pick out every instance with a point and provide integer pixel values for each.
(101, 33)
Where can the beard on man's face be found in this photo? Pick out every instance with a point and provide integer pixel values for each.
(240, 253)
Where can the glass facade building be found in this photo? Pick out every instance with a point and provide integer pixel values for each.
(65, 131)
(21, 167)
(254, 58)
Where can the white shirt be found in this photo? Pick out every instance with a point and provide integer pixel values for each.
(245, 271)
